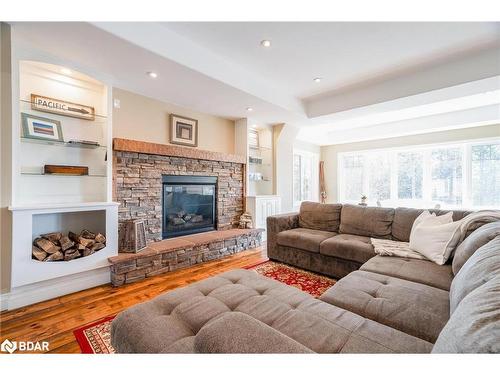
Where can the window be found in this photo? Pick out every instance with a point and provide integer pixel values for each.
(410, 175)
(485, 170)
(305, 176)
(379, 177)
(447, 176)
(353, 168)
(451, 175)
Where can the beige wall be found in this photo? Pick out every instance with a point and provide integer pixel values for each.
(145, 119)
(284, 137)
(5, 157)
(329, 153)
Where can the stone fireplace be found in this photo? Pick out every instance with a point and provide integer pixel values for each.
(189, 205)
(143, 170)
(176, 191)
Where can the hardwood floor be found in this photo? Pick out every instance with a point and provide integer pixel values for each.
(55, 320)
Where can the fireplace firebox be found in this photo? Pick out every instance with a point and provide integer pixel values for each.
(189, 205)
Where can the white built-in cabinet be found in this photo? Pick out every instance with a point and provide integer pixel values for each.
(255, 142)
(262, 206)
(41, 202)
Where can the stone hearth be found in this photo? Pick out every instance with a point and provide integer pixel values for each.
(138, 170)
(181, 252)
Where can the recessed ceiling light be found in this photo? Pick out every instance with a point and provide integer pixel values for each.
(317, 79)
(152, 74)
(265, 43)
(65, 71)
(249, 109)
(254, 126)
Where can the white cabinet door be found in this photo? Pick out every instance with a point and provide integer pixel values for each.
(261, 207)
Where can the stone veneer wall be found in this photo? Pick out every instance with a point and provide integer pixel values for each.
(138, 187)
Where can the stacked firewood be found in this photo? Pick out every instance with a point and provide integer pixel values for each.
(246, 221)
(55, 246)
(182, 217)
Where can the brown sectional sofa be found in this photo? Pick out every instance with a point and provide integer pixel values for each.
(341, 244)
(382, 305)
(242, 312)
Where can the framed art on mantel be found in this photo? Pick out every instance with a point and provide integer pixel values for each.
(183, 131)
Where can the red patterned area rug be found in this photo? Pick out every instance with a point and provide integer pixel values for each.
(306, 281)
(95, 338)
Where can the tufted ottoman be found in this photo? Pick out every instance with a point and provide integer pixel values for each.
(241, 311)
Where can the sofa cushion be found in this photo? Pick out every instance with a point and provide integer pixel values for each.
(417, 270)
(235, 332)
(349, 247)
(181, 315)
(303, 238)
(417, 309)
(474, 327)
(316, 262)
(481, 267)
(352, 334)
(474, 241)
(404, 218)
(366, 221)
(320, 216)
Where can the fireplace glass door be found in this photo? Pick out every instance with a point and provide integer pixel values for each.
(189, 205)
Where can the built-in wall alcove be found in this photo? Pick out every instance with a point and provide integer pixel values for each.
(63, 122)
(68, 236)
(61, 179)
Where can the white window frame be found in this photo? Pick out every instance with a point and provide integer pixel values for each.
(426, 149)
(314, 173)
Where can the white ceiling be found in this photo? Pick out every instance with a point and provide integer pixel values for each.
(220, 68)
(342, 54)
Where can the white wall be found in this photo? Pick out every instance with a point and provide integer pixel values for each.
(306, 146)
(285, 142)
(329, 154)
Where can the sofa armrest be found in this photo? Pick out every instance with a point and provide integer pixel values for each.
(235, 332)
(279, 223)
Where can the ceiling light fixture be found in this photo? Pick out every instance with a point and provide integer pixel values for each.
(249, 109)
(317, 79)
(152, 74)
(65, 71)
(265, 43)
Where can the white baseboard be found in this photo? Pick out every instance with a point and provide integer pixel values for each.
(45, 290)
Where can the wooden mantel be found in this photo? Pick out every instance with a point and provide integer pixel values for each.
(129, 145)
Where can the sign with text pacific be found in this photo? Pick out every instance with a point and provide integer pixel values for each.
(62, 107)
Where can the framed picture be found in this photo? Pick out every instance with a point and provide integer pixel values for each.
(183, 131)
(41, 128)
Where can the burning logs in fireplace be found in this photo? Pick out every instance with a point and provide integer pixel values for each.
(55, 246)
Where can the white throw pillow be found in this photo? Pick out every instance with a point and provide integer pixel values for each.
(431, 219)
(434, 237)
(423, 216)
